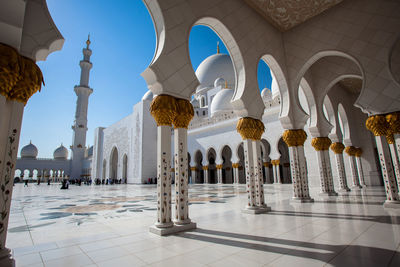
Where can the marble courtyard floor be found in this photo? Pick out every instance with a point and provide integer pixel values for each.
(109, 226)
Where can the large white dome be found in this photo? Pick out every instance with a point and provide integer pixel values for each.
(29, 151)
(221, 102)
(213, 67)
(61, 152)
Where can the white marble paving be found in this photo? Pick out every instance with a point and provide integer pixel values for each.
(108, 226)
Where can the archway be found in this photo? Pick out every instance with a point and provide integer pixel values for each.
(226, 155)
(265, 151)
(198, 159)
(242, 168)
(212, 171)
(284, 166)
(114, 164)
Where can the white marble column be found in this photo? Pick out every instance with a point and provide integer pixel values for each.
(206, 178)
(392, 196)
(258, 175)
(276, 171)
(181, 177)
(338, 148)
(235, 167)
(298, 167)
(193, 172)
(351, 152)
(380, 127)
(321, 146)
(10, 128)
(360, 171)
(393, 139)
(395, 158)
(249, 165)
(219, 173)
(164, 176)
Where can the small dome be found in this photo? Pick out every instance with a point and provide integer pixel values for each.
(195, 103)
(148, 96)
(266, 94)
(222, 102)
(214, 67)
(61, 153)
(29, 151)
(219, 82)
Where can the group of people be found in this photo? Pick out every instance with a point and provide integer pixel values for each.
(107, 181)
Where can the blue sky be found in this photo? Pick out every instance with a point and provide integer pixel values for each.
(123, 44)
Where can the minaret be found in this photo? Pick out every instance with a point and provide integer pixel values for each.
(83, 92)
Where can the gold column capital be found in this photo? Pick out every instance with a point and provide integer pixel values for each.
(20, 77)
(275, 162)
(390, 139)
(295, 137)
(350, 150)
(219, 166)
(378, 125)
(163, 108)
(337, 147)
(235, 165)
(358, 152)
(205, 168)
(250, 128)
(393, 120)
(193, 168)
(266, 164)
(184, 113)
(321, 143)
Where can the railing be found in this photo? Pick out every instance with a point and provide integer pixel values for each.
(201, 122)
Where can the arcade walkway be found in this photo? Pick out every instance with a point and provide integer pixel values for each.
(109, 226)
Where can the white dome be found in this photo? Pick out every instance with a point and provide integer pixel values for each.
(61, 153)
(219, 82)
(222, 102)
(266, 94)
(195, 103)
(29, 151)
(213, 67)
(148, 96)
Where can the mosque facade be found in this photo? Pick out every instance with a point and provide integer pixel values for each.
(127, 149)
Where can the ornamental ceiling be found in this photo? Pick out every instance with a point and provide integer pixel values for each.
(286, 14)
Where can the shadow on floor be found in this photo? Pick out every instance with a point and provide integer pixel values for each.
(380, 219)
(310, 250)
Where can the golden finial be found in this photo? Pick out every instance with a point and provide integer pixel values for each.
(226, 84)
(88, 41)
(218, 47)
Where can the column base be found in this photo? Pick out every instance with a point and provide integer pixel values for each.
(343, 191)
(328, 194)
(182, 222)
(164, 225)
(256, 210)
(392, 204)
(302, 200)
(6, 258)
(356, 187)
(172, 230)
